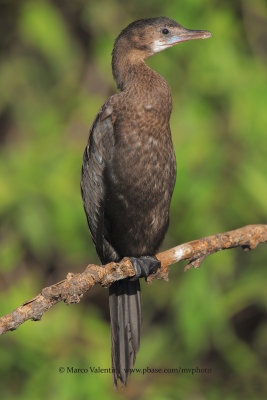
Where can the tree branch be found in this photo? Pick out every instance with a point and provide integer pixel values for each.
(71, 289)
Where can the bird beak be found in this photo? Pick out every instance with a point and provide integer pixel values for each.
(182, 35)
(188, 34)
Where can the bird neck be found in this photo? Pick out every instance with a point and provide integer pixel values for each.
(127, 67)
(142, 83)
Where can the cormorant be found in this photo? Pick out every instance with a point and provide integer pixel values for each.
(129, 172)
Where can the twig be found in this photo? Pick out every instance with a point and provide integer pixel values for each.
(71, 289)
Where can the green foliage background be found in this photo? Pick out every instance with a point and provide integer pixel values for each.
(54, 75)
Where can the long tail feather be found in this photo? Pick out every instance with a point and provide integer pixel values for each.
(126, 316)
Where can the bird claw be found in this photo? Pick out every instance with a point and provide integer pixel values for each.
(144, 266)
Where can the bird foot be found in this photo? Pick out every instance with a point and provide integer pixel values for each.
(144, 266)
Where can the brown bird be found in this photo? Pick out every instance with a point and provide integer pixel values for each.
(129, 172)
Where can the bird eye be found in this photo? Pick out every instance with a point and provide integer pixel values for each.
(165, 31)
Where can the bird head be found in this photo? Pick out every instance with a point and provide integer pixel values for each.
(145, 37)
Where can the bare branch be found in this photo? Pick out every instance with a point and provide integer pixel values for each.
(71, 289)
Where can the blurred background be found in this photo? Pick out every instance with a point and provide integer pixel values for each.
(54, 75)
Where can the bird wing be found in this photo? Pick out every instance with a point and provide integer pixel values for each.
(97, 154)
